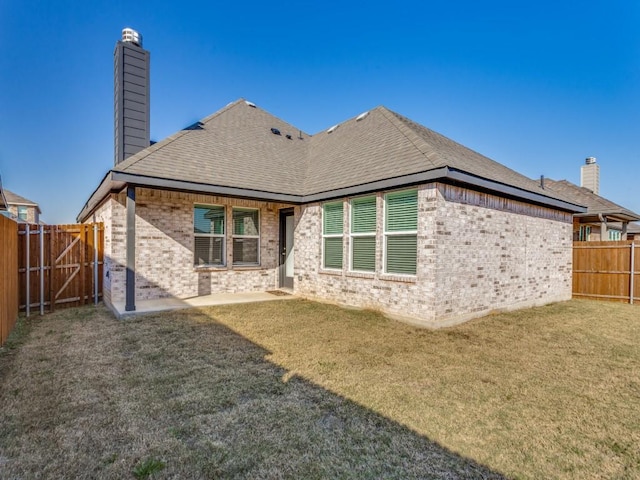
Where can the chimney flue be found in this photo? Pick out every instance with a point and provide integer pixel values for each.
(130, 35)
(131, 96)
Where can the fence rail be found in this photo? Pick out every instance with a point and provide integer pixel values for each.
(59, 265)
(8, 276)
(607, 270)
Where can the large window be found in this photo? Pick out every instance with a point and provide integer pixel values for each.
(246, 236)
(208, 232)
(363, 234)
(400, 232)
(615, 235)
(332, 232)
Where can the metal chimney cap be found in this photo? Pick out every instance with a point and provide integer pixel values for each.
(130, 35)
(590, 160)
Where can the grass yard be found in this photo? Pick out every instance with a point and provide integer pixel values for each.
(297, 389)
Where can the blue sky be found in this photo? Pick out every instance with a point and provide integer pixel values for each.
(537, 86)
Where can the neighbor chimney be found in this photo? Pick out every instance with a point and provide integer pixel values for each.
(590, 175)
(131, 96)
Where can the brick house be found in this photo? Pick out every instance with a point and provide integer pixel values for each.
(21, 209)
(367, 213)
(604, 220)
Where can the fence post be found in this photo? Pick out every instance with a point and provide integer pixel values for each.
(95, 264)
(631, 282)
(27, 271)
(41, 269)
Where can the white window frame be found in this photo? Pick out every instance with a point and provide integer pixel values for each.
(584, 235)
(616, 234)
(23, 212)
(223, 235)
(388, 234)
(353, 235)
(234, 236)
(332, 235)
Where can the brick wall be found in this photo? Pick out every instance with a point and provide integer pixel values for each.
(164, 247)
(476, 253)
(32, 213)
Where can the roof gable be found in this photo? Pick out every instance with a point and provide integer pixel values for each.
(15, 199)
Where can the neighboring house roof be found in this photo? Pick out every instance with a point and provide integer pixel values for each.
(234, 152)
(15, 199)
(633, 228)
(596, 205)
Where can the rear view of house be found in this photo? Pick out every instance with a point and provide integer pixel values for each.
(376, 211)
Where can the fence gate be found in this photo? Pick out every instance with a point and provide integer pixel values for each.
(59, 265)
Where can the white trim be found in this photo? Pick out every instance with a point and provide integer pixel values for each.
(387, 234)
(352, 235)
(234, 236)
(223, 235)
(331, 235)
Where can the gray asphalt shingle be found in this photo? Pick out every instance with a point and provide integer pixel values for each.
(235, 147)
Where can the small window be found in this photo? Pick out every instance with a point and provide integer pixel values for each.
(585, 233)
(208, 232)
(401, 232)
(246, 236)
(363, 234)
(22, 212)
(332, 234)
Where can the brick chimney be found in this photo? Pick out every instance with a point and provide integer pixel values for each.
(590, 175)
(131, 96)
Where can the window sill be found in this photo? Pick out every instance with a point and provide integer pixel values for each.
(326, 271)
(371, 275)
(210, 268)
(396, 277)
(247, 267)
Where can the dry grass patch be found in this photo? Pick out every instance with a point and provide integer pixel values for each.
(551, 392)
(181, 395)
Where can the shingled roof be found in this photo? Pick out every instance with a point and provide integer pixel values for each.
(236, 152)
(15, 199)
(596, 205)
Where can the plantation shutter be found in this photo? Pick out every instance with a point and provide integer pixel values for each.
(401, 254)
(363, 219)
(401, 224)
(402, 211)
(364, 253)
(333, 221)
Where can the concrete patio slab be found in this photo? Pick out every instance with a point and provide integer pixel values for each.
(162, 304)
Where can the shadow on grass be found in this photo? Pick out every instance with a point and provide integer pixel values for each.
(181, 389)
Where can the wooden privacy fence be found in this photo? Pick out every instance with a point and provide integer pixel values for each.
(59, 265)
(8, 276)
(607, 270)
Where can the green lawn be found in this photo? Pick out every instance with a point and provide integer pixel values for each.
(297, 389)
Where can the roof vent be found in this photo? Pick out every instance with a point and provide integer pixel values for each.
(131, 36)
(288, 136)
(361, 116)
(251, 104)
(332, 129)
(275, 131)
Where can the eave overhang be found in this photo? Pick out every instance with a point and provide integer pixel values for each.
(115, 181)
